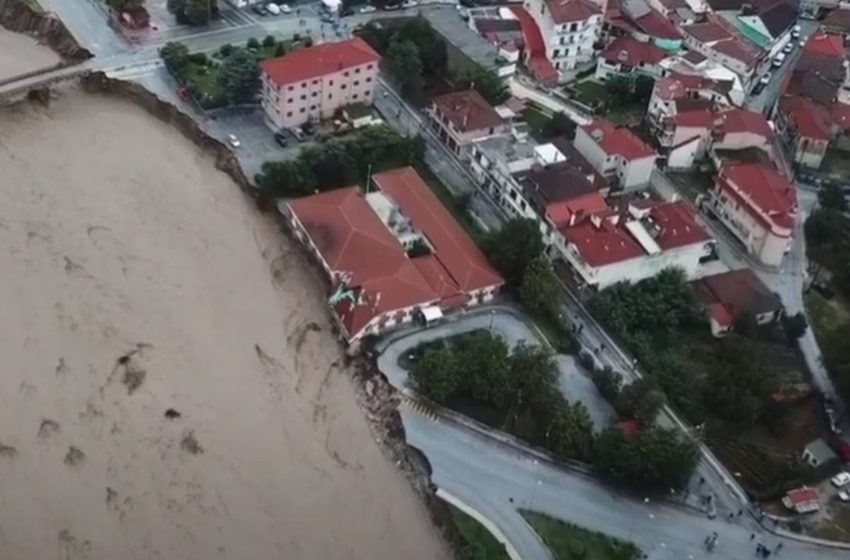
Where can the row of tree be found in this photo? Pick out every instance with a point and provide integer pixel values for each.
(193, 12)
(521, 385)
(339, 162)
(828, 239)
(416, 57)
(664, 326)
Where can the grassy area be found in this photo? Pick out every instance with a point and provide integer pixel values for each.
(826, 315)
(478, 542)
(570, 542)
(595, 95)
(589, 92)
(203, 81)
(536, 118)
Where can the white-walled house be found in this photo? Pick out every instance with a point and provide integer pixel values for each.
(616, 153)
(570, 28)
(461, 117)
(759, 206)
(313, 82)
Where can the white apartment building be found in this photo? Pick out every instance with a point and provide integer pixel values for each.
(569, 28)
(758, 206)
(312, 83)
(616, 153)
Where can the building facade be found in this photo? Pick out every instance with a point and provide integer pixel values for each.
(462, 117)
(312, 83)
(570, 29)
(616, 153)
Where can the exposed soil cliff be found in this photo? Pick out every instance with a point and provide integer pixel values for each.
(17, 16)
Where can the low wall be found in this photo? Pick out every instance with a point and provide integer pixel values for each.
(47, 28)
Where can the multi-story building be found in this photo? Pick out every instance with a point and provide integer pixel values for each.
(312, 83)
(759, 206)
(462, 117)
(569, 28)
(806, 128)
(391, 254)
(676, 93)
(626, 56)
(717, 40)
(616, 153)
(634, 243)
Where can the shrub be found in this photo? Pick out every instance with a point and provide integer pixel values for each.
(269, 41)
(225, 49)
(308, 42)
(199, 59)
(253, 44)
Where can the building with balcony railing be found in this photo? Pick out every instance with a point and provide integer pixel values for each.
(570, 29)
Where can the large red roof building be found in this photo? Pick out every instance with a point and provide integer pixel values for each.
(390, 253)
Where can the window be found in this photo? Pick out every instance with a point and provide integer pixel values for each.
(289, 113)
(303, 97)
(492, 130)
(345, 73)
(330, 82)
(343, 86)
(556, 53)
(368, 67)
(563, 39)
(354, 96)
(290, 100)
(303, 84)
(330, 96)
(357, 70)
(314, 94)
(301, 110)
(356, 82)
(290, 88)
(368, 80)
(315, 82)
(312, 107)
(573, 26)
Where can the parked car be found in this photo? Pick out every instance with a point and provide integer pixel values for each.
(409, 4)
(368, 9)
(260, 10)
(280, 138)
(841, 479)
(844, 496)
(273, 9)
(789, 46)
(778, 60)
(285, 8)
(233, 140)
(795, 32)
(298, 133)
(393, 6)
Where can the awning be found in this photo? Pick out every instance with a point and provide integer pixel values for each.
(432, 313)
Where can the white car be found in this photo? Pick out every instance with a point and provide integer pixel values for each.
(285, 8)
(778, 60)
(273, 9)
(844, 496)
(788, 47)
(764, 80)
(368, 9)
(233, 140)
(841, 479)
(409, 4)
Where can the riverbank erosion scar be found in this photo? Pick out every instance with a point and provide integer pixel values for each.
(21, 18)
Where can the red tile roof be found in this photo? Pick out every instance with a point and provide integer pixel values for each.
(312, 62)
(656, 25)
(675, 86)
(739, 50)
(694, 57)
(741, 120)
(617, 140)
(631, 52)
(840, 114)
(456, 251)
(562, 213)
(732, 293)
(767, 195)
(707, 32)
(611, 242)
(701, 118)
(825, 45)
(568, 11)
(467, 110)
(802, 495)
(809, 119)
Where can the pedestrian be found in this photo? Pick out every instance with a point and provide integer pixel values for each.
(752, 536)
(740, 512)
(701, 480)
(731, 516)
(778, 547)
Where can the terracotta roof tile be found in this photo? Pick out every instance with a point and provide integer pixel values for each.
(631, 52)
(616, 140)
(767, 195)
(568, 11)
(312, 62)
(742, 120)
(809, 119)
(737, 292)
(467, 110)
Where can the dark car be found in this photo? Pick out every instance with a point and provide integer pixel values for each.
(260, 9)
(281, 140)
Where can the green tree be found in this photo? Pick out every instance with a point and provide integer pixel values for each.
(404, 63)
(569, 431)
(640, 400)
(539, 289)
(490, 85)
(286, 178)
(269, 41)
(200, 12)
(280, 49)
(795, 325)
(831, 197)
(431, 47)
(514, 246)
(486, 366)
(654, 460)
(225, 50)
(239, 76)
(175, 55)
(619, 89)
(559, 125)
(252, 44)
(643, 86)
(608, 382)
(535, 377)
(437, 374)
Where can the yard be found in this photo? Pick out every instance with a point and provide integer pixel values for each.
(596, 95)
(570, 542)
(479, 543)
(836, 164)
(826, 315)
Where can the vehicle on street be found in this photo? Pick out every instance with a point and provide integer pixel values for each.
(409, 4)
(284, 8)
(233, 140)
(368, 9)
(273, 9)
(789, 46)
(298, 133)
(802, 44)
(260, 10)
(762, 83)
(795, 32)
(841, 479)
(844, 496)
(392, 6)
(778, 60)
(280, 138)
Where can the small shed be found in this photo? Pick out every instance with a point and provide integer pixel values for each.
(359, 115)
(818, 453)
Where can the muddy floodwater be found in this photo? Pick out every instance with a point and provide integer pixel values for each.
(170, 387)
(20, 54)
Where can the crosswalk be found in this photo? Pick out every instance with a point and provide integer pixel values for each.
(135, 70)
(420, 408)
